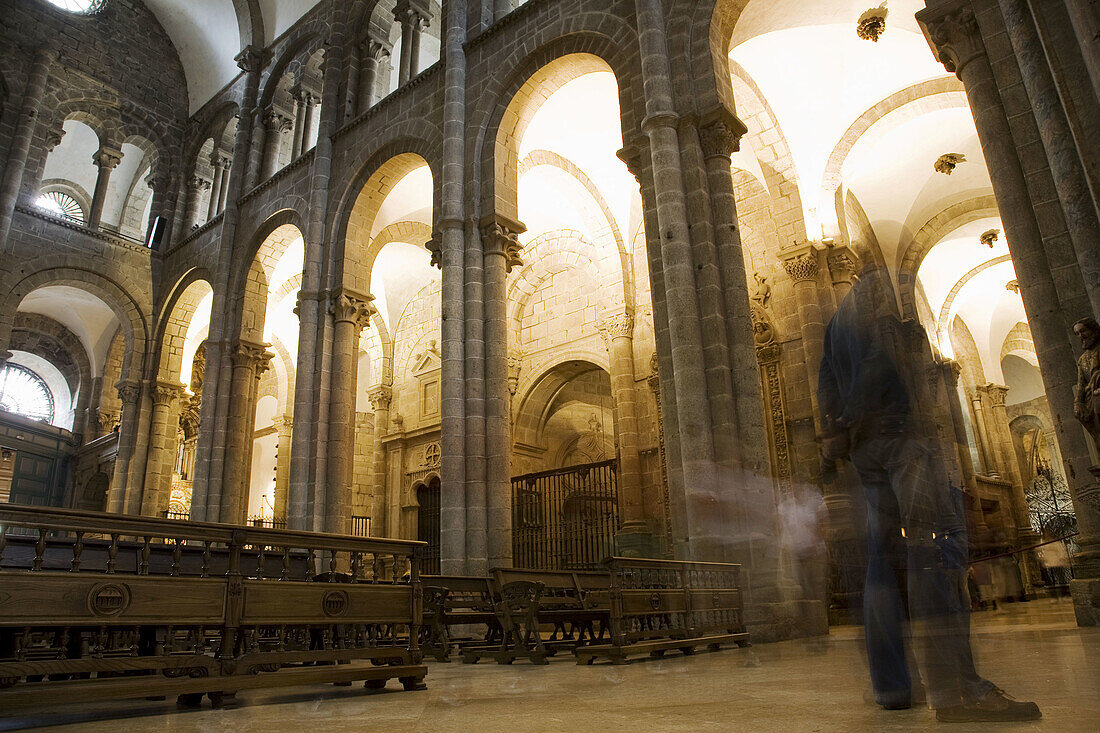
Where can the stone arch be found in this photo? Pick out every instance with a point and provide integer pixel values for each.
(410, 232)
(250, 286)
(362, 199)
(71, 188)
(495, 151)
(928, 236)
(305, 46)
(525, 282)
(967, 355)
(1018, 342)
(176, 317)
(945, 310)
(134, 316)
(539, 392)
(613, 239)
(926, 96)
(45, 337)
(217, 122)
(776, 160)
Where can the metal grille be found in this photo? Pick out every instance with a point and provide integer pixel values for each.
(565, 519)
(428, 524)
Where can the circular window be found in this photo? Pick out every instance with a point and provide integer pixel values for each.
(84, 7)
(61, 204)
(25, 393)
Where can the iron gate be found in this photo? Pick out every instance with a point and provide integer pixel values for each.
(565, 519)
(428, 497)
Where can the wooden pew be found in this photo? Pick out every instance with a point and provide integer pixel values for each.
(657, 605)
(98, 605)
(458, 601)
(571, 607)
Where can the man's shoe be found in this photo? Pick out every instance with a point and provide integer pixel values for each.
(996, 706)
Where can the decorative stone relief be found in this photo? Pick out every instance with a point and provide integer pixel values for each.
(762, 291)
(947, 162)
(515, 364)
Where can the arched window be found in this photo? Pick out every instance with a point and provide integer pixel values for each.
(25, 393)
(61, 204)
(83, 7)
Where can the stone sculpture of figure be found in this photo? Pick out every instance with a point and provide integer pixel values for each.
(761, 292)
(1086, 403)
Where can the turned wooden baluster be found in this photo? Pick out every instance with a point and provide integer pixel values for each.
(40, 549)
(332, 566)
(376, 568)
(311, 556)
(143, 565)
(78, 550)
(177, 553)
(112, 553)
(261, 557)
(3, 540)
(356, 566)
(205, 573)
(286, 564)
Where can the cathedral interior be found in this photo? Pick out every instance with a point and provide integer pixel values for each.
(537, 283)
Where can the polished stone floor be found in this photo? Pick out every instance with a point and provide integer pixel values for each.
(1032, 650)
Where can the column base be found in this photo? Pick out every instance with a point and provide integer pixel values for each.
(635, 540)
(1086, 601)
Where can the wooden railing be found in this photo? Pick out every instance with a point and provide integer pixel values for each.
(96, 605)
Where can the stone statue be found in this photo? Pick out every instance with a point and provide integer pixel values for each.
(1086, 403)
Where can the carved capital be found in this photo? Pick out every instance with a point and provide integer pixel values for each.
(349, 307)
(250, 60)
(251, 356)
(435, 247)
(106, 420)
(195, 184)
(275, 121)
(502, 238)
(284, 425)
(373, 50)
(802, 267)
(53, 139)
(165, 393)
(305, 97)
(158, 183)
(720, 139)
(995, 392)
(952, 370)
(128, 392)
(219, 159)
(611, 327)
(108, 158)
(380, 397)
(406, 12)
(635, 160)
(955, 37)
(843, 265)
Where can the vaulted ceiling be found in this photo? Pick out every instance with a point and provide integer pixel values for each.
(208, 34)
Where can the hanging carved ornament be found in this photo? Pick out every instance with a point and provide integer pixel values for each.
(946, 163)
(1013, 285)
(989, 237)
(872, 24)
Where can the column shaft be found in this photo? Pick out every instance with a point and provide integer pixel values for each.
(129, 393)
(285, 426)
(107, 159)
(380, 401)
(249, 361)
(22, 136)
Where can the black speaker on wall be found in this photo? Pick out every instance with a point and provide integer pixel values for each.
(156, 233)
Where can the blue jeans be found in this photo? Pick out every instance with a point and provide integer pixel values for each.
(915, 523)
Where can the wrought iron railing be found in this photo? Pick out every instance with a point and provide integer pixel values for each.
(565, 519)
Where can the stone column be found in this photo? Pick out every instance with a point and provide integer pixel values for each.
(284, 425)
(163, 427)
(380, 398)
(158, 184)
(801, 264)
(130, 394)
(843, 268)
(634, 538)
(1074, 195)
(1001, 435)
(351, 313)
(951, 370)
(413, 20)
(106, 160)
(220, 164)
(275, 125)
(953, 32)
(195, 187)
(249, 361)
(301, 112)
(22, 136)
(371, 52)
(501, 252)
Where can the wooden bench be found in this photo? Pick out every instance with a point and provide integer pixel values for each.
(458, 601)
(571, 607)
(100, 605)
(657, 605)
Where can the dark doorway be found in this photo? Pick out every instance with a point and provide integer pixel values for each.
(428, 524)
